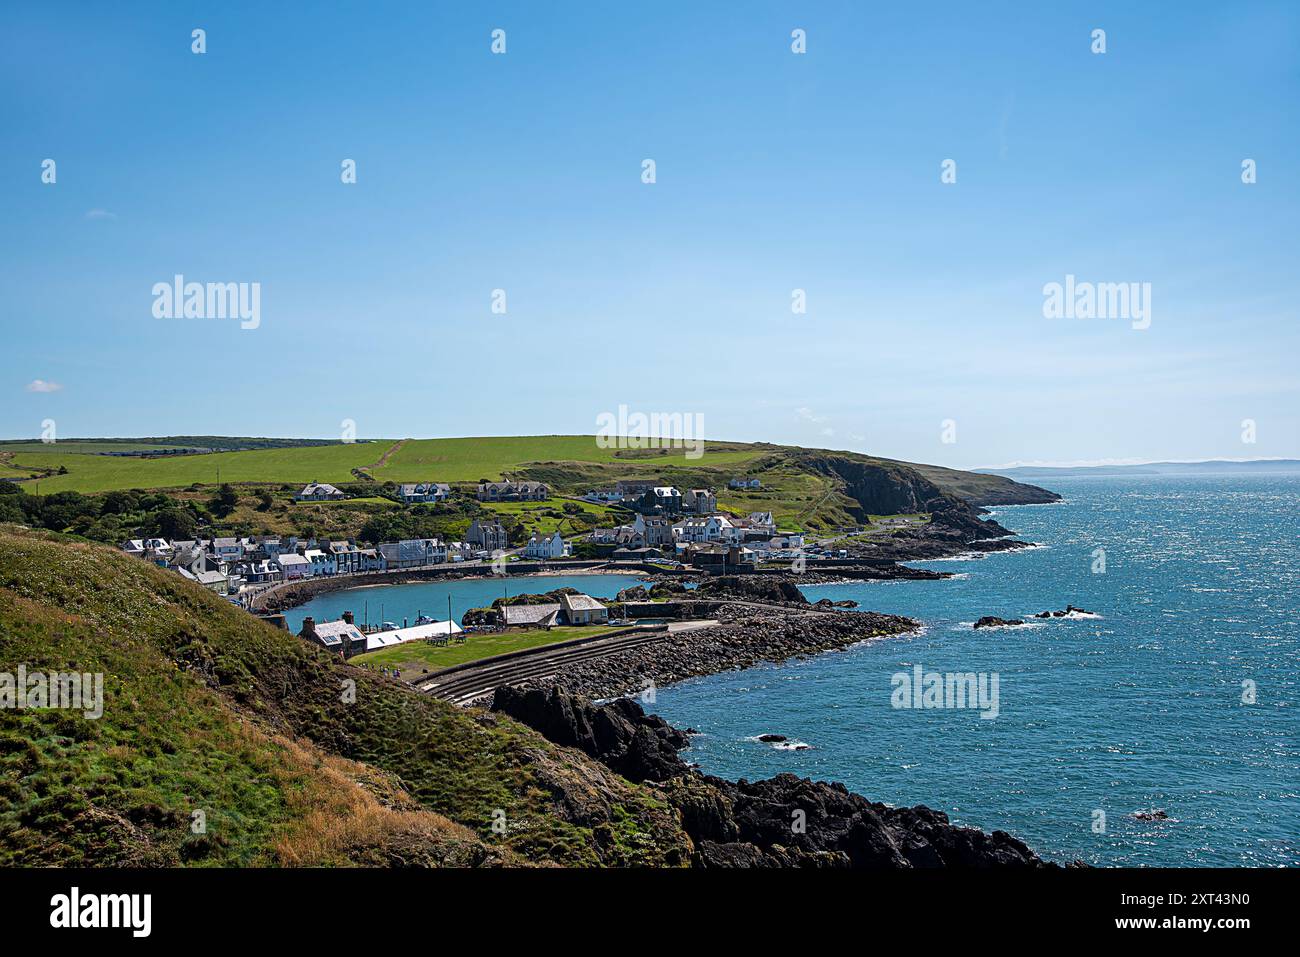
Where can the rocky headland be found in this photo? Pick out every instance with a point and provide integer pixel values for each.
(784, 821)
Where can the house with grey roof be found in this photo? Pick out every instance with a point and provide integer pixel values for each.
(531, 616)
(342, 637)
(512, 491)
(424, 492)
(487, 535)
(582, 609)
(543, 546)
(319, 492)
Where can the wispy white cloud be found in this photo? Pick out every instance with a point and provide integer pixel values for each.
(40, 385)
(100, 214)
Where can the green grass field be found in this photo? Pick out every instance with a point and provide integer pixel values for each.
(415, 656)
(102, 473)
(442, 460)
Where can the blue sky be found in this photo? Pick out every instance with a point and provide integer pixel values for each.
(775, 171)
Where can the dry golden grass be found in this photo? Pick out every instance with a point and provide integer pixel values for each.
(346, 813)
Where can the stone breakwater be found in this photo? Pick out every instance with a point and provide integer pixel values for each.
(785, 821)
(744, 636)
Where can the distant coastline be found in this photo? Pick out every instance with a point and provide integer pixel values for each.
(1207, 467)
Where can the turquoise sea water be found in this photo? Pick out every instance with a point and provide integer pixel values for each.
(1138, 710)
(398, 602)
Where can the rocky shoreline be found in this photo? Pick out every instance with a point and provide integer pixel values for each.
(743, 637)
(784, 821)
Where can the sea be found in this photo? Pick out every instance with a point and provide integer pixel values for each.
(403, 604)
(1159, 729)
(1180, 698)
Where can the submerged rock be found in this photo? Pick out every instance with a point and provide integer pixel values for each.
(990, 621)
(1151, 816)
(1069, 610)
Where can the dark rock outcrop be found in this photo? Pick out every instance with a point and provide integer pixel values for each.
(1069, 610)
(991, 621)
(751, 588)
(785, 821)
(620, 735)
(1151, 816)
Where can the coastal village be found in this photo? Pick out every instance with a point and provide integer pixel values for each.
(663, 526)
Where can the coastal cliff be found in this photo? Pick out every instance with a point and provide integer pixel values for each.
(882, 487)
(784, 821)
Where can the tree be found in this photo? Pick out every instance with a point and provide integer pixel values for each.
(224, 502)
(119, 503)
(264, 501)
(173, 523)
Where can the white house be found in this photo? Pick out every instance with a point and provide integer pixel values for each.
(413, 552)
(762, 522)
(582, 610)
(228, 549)
(319, 492)
(603, 496)
(157, 550)
(293, 566)
(744, 483)
(707, 528)
(322, 563)
(697, 530)
(542, 546)
(728, 533)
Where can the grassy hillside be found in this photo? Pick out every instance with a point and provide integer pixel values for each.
(805, 489)
(207, 709)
